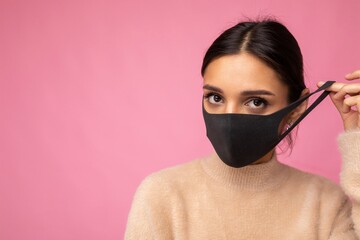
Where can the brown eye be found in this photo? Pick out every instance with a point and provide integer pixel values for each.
(214, 99)
(257, 103)
(217, 98)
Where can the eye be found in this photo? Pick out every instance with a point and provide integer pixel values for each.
(257, 103)
(214, 98)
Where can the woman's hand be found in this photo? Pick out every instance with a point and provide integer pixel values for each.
(346, 98)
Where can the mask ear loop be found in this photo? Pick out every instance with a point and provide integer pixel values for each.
(312, 106)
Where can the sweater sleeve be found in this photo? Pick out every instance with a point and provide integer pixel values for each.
(148, 217)
(349, 145)
(139, 225)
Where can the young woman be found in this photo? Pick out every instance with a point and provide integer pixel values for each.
(254, 94)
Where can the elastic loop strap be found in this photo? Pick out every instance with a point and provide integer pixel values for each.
(312, 106)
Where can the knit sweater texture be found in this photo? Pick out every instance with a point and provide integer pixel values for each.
(206, 199)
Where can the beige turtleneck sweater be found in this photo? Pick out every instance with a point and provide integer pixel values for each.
(206, 199)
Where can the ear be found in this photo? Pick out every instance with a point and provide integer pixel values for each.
(297, 112)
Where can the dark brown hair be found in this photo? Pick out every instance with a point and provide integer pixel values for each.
(272, 43)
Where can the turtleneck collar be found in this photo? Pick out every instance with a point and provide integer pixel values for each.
(252, 177)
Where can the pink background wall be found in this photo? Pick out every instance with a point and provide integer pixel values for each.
(95, 95)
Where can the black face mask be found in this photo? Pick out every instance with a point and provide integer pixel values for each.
(241, 139)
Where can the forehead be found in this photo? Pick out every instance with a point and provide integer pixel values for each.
(234, 73)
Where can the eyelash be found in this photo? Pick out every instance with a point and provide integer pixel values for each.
(210, 94)
(263, 101)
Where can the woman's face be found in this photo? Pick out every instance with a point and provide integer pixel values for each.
(243, 84)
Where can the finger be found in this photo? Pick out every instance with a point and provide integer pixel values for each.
(350, 89)
(352, 101)
(338, 100)
(319, 84)
(344, 104)
(335, 87)
(354, 75)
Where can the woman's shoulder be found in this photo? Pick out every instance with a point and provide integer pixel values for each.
(176, 173)
(173, 178)
(314, 183)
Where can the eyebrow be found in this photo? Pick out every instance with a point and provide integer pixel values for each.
(257, 92)
(212, 88)
(243, 93)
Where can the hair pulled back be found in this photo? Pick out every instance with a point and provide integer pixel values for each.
(268, 40)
